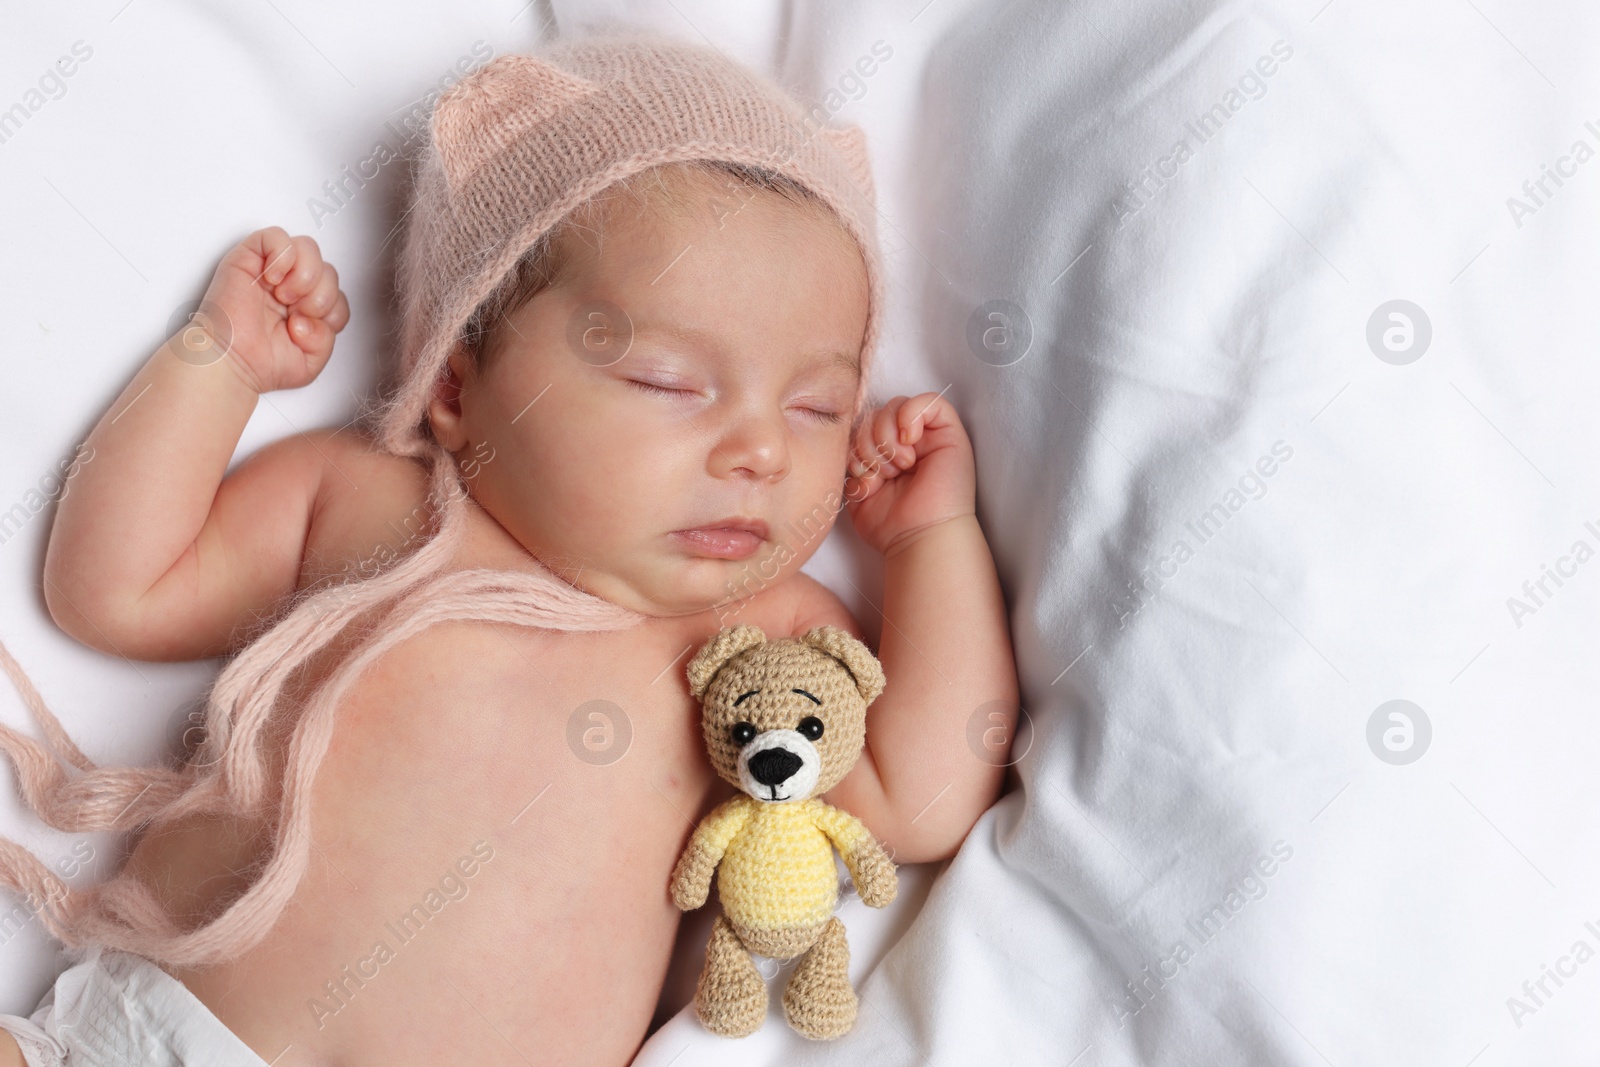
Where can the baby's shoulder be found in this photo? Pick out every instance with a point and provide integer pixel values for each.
(781, 609)
(372, 507)
(817, 605)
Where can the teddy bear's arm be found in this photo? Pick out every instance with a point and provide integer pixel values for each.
(870, 866)
(691, 879)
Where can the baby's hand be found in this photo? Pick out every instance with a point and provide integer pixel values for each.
(911, 468)
(272, 308)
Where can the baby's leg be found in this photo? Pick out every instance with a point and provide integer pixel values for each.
(10, 1052)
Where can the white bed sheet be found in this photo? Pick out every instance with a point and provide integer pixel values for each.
(1181, 734)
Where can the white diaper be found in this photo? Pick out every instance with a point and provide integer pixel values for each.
(113, 1009)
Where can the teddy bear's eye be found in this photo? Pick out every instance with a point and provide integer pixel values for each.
(810, 727)
(744, 733)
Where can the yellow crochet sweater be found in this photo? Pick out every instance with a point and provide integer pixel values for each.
(777, 867)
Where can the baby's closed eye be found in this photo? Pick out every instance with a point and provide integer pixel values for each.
(659, 390)
(821, 412)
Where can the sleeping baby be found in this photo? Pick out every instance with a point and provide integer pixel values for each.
(431, 811)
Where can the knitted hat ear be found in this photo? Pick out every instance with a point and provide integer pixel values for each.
(728, 643)
(494, 106)
(856, 657)
(850, 141)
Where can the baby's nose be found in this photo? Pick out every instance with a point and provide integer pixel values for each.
(774, 765)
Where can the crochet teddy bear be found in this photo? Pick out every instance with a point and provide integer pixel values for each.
(784, 721)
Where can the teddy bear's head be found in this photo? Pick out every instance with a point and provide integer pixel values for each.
(784, 720)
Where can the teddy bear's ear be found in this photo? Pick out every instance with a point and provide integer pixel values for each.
(856, 657)
(494, 106)
(728, 643)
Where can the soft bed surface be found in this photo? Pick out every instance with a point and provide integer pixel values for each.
(1150, 251)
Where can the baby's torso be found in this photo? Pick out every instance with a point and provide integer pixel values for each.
(494, 828)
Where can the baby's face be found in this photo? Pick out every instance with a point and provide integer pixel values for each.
(732, 401)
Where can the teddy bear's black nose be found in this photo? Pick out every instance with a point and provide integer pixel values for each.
(774, 765)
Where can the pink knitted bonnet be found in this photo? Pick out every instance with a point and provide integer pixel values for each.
(516, 145)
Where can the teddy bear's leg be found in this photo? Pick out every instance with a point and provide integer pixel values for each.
(819, 1001)
(731, 998)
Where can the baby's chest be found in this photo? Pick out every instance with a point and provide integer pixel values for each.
(601, 719)
(579, 787)
(588, 748)
(595, 733)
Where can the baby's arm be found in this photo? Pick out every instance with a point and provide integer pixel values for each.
(148, 558)
(945, 645)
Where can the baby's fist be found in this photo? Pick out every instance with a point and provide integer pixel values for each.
(272, 310)
(911, 468)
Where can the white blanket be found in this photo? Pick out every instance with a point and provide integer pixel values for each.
(1237, 507)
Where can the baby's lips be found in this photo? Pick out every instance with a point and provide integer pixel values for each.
(200, 332)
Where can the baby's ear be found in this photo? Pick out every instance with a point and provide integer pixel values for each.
(856, 657)
(490, 109)
(444, 401)
(728, 643)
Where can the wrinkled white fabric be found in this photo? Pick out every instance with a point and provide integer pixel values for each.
(113, 1009)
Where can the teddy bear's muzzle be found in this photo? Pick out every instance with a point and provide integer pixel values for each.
(779, 765)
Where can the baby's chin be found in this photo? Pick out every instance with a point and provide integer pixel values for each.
(712, 585)
(675, 586)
